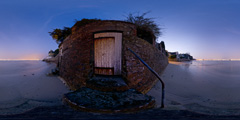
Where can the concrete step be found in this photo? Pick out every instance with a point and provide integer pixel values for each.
(107, 83)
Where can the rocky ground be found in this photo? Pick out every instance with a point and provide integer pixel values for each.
(108, 102)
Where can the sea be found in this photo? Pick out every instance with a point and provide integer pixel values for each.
(24, 85)
(209, 87)
(199, 86)
(219, 80)
(229, 69)
(16, 67)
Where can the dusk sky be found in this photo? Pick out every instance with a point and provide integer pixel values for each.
(207, 29)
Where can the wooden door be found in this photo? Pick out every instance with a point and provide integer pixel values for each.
(104, 55)
(108, 53)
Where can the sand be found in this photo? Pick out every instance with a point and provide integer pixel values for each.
(24, 85)
(200, 87)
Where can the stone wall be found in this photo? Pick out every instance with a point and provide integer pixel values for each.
(77, 61)
(137, 75)
(77, 56)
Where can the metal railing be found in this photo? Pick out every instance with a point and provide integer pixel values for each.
(163, 86)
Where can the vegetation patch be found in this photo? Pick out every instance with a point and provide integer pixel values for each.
(147, 28)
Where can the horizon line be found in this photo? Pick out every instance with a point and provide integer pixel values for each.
(218, 59)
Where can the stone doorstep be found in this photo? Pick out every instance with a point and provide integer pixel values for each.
(89, 100)
(107, 83)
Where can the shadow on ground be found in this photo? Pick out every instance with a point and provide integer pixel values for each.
(64, 112)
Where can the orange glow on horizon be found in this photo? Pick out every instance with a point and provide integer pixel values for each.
(25, 57)
(31, 57)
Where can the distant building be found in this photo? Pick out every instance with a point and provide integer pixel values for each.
(175, 56)
(185, 57)
(51, 57)
(161, 46)
(51, 53)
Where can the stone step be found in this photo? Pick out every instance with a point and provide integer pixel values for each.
(90, 100)
(107, 83)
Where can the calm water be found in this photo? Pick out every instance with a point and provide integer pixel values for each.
(223, 70)
(231, 68)
(21, 67)
(220, 78)
(24, 85)
(210, 87)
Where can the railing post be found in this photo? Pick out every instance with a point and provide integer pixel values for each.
(155, 73)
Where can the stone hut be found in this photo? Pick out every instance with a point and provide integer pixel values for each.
(97, 54)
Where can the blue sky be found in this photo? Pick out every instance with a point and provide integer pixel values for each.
(207, 29)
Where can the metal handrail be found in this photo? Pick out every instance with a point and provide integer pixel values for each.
(155, 73)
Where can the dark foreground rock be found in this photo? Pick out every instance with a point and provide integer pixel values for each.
(108, 102)
(66, 113)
